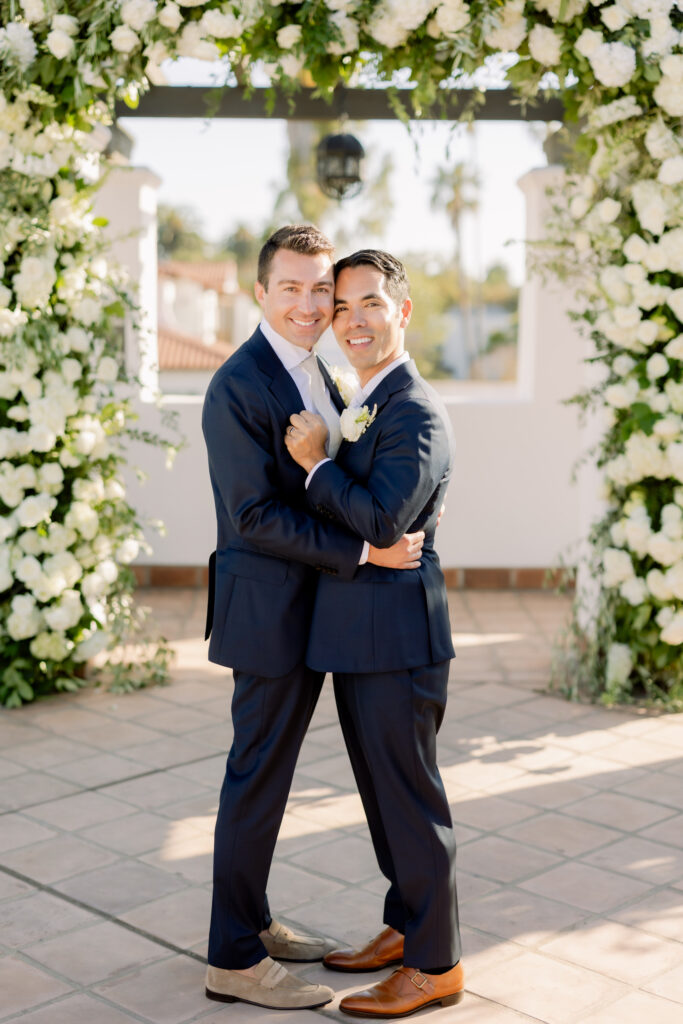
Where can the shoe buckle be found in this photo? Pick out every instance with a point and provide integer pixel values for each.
(419, 984)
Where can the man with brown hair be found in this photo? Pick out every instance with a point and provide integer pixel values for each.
(262, 586)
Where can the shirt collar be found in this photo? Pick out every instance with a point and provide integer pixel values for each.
(365, 392)
(290, 355)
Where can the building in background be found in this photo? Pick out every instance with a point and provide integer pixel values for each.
(203, 316)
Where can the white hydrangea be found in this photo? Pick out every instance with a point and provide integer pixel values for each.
(25, 619)
(650, 205)
(52, 646)
(668, 94)
(613, 64)
(671, 244)
(65, 613)
(511, 28)
(634, 591)
(673, 633)
(615, 17)
(588, 42)
(608, 210)
(192, 42)
(83, 518)
(663, 549)
(17, 45)
(660, 141)
(671, 171)
(288, 36)
(34, 10)
(451, 17)
(221, 24)
(35, 509)
(658, 586)
(35, 280)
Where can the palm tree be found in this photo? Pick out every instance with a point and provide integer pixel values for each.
(454, 192)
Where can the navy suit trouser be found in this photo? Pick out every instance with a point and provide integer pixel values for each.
(390, 721)
(270, 719)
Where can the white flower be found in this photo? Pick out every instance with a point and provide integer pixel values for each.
(613, 64)
(671, 244)
(618, 110)
(35, 509)
(137, 13)
(663, 549)
(634, 591)
(192, 43)
(52, 646)
(59, 44)
(637, 534)
(511, 28)
(650, 205)
(24, 620)
(35, 281)
(675, 348)
(123, 39)
(127, 551)
(17, 44)
(668, 94)
(579, 207)
(621, 396)
(88, 310)
(608, 210)
(348, 29)
(345, 381)
(545, 46)
(355, 421)
(617, 566)
(567, 8)
(451, 16)
(221, 24)
(34, 10)
(635, 248)
(170, 16)
(588, 42)
(675, 302)
(658, 586)
(660, 141)
(92, 645)
(673, 633)
(51, 477)
(672, 66)
(65, 23)
(288, 36)
(674, 579)
(82, 518)
(387, 31)
(657, 366)
(671, 171)
(614, 17)
(66, 612)
(107, 369)
(619, 664)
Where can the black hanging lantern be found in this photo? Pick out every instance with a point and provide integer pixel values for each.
(339, 166)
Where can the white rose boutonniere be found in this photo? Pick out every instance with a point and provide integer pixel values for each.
(355, 421)
(345, 382)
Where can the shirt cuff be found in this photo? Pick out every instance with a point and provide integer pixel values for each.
(317, 466)
(364, 553)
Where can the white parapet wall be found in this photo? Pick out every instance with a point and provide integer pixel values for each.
(511, 503)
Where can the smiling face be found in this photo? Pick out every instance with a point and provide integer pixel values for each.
(369, 324)
(298, 299)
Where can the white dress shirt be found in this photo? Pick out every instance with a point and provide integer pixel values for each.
(292, 356)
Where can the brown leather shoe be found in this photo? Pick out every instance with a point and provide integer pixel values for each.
(406, 992)
(382, 951)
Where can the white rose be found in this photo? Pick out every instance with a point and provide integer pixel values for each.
(127, 551)
(107, 369)
(608, 210)
(660, 141)
(658, 586)
(123, 39)
(51, 477)
(613, 64)
(221, 25)
(137, 13)
(65, 23)
(35, 509)
(675, 348)
(387, 31)
(637, 533)
(35, 281)
(59, 44)
(614, 17)
(673, 633)
(619, 664)
(635, 248)
(170, 16)
(671, 244)
(579, 207)
(657, 366)
(24, 620)
(621, 396)
(663, 549)
(52, 646)
(671, 171)
(82, 518)
(511, 29)
(59, 538)
(288, 36)
(674, 579)
(88, 310)
(65, 566)
(34, 10)
(192, 43)
(672, 66)
(588, 42)
(545, 46)
(451, 16)
(617, 566)
(675, 302)
(66, 612)
(668, 94)
(634, 591)
(623, 364)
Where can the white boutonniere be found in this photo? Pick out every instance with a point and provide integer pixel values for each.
(345, 382)
(354, 421)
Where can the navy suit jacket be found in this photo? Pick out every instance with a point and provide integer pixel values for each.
(262, 575)
(391, 481)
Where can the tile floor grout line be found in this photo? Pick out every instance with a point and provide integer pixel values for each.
(103, 914)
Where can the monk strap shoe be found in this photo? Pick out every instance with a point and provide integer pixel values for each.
(406, 991)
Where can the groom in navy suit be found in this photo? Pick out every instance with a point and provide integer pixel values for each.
(386, 635)
(271, 549)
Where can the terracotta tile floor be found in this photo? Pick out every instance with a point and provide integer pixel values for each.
(569, 821)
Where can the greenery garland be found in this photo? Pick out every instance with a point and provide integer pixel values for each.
(67, 533)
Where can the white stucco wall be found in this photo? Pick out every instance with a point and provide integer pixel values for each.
(511, 503)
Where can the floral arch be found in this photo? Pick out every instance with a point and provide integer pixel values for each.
(67, 533)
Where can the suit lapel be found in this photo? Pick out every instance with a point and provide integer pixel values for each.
(280, 383)
(337, 399)
(396, 381)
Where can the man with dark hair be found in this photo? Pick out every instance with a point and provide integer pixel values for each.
(386, 635)
(262, 584)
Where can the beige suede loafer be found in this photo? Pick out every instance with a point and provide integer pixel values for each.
(271, 985)
(295, 947)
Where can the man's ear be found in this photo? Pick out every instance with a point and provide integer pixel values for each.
(406, 310)
(259, 293)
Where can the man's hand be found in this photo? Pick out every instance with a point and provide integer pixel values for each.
(404, 554)
(305, 438)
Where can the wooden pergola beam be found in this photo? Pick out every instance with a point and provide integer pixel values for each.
(358, 104)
